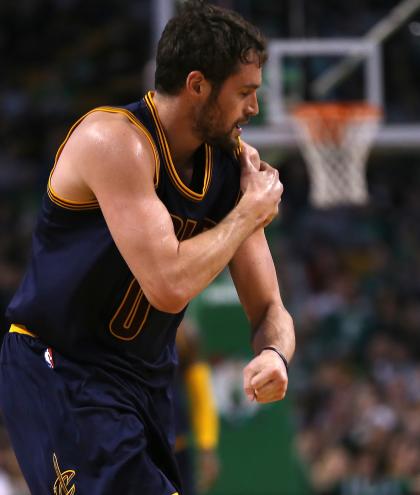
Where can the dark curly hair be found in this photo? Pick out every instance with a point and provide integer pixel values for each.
(207, 38)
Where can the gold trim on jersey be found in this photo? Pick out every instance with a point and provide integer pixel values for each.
(15, 328)
(57, 199)
(71, 205)
(164, 146)
(93, 204)
(238, 147)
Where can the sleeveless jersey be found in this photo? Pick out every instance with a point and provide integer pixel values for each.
(78, 294)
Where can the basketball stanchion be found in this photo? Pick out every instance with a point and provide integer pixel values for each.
(335, 139)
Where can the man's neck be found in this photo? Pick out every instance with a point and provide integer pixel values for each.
(175, 117)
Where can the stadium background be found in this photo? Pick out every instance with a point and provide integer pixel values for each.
(350, 276)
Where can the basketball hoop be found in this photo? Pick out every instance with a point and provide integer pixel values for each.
(335, 139)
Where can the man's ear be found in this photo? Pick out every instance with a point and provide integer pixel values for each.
(197, 85)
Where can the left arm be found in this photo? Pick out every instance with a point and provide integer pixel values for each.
(254, 275)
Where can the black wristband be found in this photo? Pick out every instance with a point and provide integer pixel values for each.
(282, 357)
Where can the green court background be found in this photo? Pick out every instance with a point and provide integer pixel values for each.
(257, 453)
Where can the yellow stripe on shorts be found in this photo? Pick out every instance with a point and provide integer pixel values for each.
(20, 329)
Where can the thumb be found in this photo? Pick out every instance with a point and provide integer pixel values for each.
(245, 162)
(249, 157)
(249, 373)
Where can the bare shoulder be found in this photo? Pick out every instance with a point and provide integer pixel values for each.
(113, 133)
(104, 146)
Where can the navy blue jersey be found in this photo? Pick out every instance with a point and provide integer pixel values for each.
(78, 294)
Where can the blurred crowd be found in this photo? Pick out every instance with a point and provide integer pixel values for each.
(351, 277)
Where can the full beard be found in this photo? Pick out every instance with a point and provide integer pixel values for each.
(206, 127)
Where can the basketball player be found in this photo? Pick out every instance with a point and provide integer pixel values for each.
(145, 206)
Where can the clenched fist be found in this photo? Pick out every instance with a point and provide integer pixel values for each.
(265, 378)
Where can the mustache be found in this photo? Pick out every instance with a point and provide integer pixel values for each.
(240, 123)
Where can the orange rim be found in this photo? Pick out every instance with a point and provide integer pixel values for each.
(326, 122)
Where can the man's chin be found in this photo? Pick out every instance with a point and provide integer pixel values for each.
(227, 143)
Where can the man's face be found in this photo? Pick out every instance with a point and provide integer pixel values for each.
(219, 120)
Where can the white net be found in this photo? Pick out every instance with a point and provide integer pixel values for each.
(335, 140)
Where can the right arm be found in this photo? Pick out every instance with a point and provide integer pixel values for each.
(116, 164)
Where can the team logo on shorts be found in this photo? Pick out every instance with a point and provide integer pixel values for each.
(48, 355)
(61, 485)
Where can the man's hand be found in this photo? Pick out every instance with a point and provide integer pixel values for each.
(265, 378)
(260, 184)
(250, 154)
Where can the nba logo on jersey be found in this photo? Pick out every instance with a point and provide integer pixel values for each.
(49, 357)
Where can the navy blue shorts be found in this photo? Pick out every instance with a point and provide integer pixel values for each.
(77, 430)
(184, 459)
